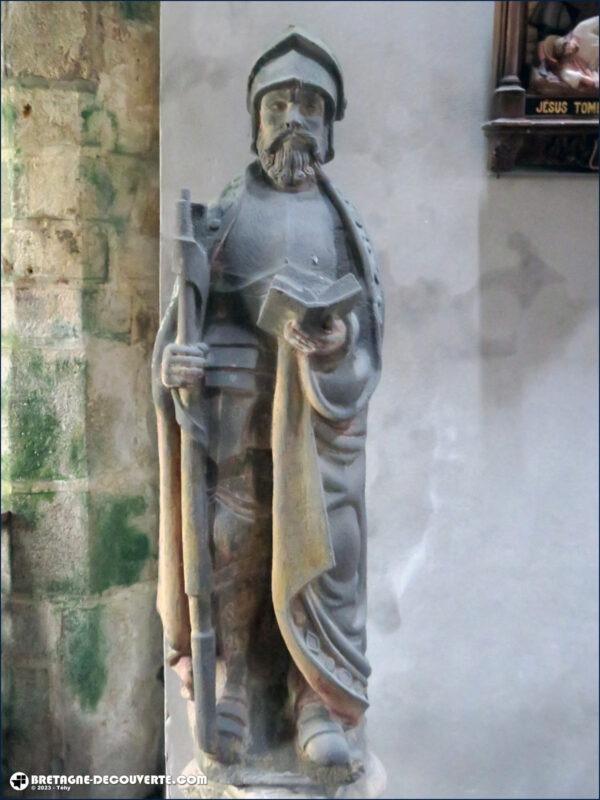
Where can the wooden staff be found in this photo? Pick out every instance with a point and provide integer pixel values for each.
(194, 277)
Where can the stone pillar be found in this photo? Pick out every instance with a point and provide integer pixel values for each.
(80, 308)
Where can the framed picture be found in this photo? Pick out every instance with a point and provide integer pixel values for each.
(545, 105)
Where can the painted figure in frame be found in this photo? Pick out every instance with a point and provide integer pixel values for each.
(562, 48)
(263, 368)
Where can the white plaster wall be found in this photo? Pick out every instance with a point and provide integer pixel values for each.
(482, 483)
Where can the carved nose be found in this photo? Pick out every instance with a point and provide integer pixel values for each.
(293, 120)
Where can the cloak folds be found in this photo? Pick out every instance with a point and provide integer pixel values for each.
(318, 434)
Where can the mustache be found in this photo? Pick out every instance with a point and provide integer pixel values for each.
(299, 136)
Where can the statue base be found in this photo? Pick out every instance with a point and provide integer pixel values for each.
(370, 785)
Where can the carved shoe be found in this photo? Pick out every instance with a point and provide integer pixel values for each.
(320, 738)
(232, 724)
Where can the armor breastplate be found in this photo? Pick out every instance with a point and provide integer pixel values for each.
(270, 229)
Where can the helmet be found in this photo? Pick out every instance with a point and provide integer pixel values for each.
(297, 56)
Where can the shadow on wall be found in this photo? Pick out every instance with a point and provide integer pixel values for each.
(537, 281)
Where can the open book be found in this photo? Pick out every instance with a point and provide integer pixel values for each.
(310, 298)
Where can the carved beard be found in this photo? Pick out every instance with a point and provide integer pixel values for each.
(289, 159)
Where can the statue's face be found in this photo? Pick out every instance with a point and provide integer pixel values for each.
(292, 109)
(292, 135)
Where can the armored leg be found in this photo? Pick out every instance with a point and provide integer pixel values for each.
(241, 552)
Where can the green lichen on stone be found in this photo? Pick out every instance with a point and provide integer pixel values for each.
(39, 440)
(63, 330)
(99, 177)
(77, 454)
(12, 171)
(94, 126)
(87, 115)
(66, 586)
(69, 366)
(26, 507)
(97, 323)
(119, 224)
(138, 10)
(85, 652)
(119, 549)
(8, 339)
(95, 270)
(9, 113)
(9, 119)
(34, 437)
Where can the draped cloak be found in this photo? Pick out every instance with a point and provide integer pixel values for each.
(317, 444)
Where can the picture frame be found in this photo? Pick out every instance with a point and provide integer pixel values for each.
(545, 105)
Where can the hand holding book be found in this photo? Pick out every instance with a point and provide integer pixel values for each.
(306, 309)
(324, 344)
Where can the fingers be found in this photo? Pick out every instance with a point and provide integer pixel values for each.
(302, 344)
(199, 349)
(192, 362)
(299, 340)
(183, 365)
(328, 346)
(187, 374)
(181, 377)
(296, 333)
(322, 343)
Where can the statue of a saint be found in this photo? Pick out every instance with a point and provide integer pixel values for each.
(263, 368)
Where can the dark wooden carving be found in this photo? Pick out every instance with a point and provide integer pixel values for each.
(530, 128)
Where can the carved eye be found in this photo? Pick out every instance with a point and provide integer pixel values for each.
(310, 106)
(277, 105)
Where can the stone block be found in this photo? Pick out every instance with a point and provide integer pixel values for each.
(133, 256)
(129, 80)
(121, 530)
(45, 414)
(83, 653)
(50, 543)
(5, 572)
(68, 544)
(145, 210)
(11, 171)
(120, 189)
(49, 40)
(5, 395)
(144, 314)
(39, 117)
(35, 629)
(111, 658)
(61, 251)
(46, 184)
(7, 318)
(29, 721)
(106, 312)
(9, 119)
(120, 417)
(99, 125)
(46, 314)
